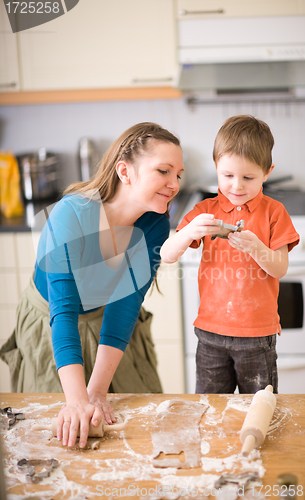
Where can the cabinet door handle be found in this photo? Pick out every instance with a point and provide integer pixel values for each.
(183, 12)
(7, 85)
(153, 80)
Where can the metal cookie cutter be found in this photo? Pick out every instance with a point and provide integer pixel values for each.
(240, 480)
(28, 468)
(227, 228)
(11, 416)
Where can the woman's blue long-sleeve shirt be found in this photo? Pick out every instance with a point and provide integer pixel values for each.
(72, 276)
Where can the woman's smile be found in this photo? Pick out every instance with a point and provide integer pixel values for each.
(157, 179)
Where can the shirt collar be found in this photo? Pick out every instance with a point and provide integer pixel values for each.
(227, 206)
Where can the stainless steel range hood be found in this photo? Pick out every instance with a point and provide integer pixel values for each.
(233, 55)
(281, 77)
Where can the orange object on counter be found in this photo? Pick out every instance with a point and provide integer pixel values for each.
(10, 201)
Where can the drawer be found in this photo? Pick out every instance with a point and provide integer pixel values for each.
(5, 383)
(7, 321)
(9, 291)
(170, 367)
(25, 250)
(166, 306)
(7, 251)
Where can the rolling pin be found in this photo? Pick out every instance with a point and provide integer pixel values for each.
(93, 431)
(255, 426)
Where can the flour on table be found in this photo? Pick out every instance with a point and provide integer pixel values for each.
(205, 447)
(236, 403)
(234, 462)
(190, 482)
(163, 407)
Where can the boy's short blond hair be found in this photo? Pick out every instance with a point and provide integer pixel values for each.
(245, 136)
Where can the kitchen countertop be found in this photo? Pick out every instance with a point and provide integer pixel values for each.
(124, 458)
(23, 223)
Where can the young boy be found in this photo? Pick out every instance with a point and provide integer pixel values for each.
(239, 276)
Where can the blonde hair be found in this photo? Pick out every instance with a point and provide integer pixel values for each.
(245, 136)
(132, 144)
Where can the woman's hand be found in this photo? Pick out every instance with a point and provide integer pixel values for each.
(74, 419)
(78, 411)
(100, 403)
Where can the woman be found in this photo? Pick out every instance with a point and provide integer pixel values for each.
(100, 246)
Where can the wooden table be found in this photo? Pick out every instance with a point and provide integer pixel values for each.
(122, 466)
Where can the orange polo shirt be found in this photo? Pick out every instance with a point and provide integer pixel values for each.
(238, 298)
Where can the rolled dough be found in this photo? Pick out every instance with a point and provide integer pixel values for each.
(176, 430)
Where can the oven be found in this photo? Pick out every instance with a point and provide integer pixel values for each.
(291, 342)
(291, 306)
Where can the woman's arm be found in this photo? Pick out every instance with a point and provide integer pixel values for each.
(78, 411)
(106, 363)
(85, 404)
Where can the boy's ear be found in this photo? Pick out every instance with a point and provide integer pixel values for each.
(269, 172)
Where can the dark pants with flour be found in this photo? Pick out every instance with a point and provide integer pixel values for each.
(224, 363)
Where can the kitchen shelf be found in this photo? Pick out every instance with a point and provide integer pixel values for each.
(87, 95)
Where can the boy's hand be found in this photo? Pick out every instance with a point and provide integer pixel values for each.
(244, 241)
(202, 225)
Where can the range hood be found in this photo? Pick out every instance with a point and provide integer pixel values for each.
(231, 55)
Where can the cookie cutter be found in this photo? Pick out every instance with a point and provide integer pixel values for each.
(225, 229)
(11, 416)
(240, 480)
(27, 467)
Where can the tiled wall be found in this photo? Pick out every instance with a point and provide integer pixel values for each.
(58, 127)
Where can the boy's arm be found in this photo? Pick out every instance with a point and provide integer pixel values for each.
(273, 262)
(276, 264)
(177, 244)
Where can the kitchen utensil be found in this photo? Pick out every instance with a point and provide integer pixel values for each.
(27, 467)
(257, 421)
(93, 431)
(226, 229)
(39, 175)
(87, 158)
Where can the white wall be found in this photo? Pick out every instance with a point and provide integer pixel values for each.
(58, 127)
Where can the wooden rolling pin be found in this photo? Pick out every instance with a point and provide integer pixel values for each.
(93, 431)
(255, 426)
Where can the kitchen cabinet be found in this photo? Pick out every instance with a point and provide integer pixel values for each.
(9, 70)
(239, 8)
(102, 45)
(167, 327)
(17, 259)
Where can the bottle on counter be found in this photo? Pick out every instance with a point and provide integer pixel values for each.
(87, 158)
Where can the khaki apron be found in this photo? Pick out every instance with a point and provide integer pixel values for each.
(29, 353)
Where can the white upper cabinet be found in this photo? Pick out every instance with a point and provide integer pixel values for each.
(239, 8)
(102, 44)
(9, 71)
